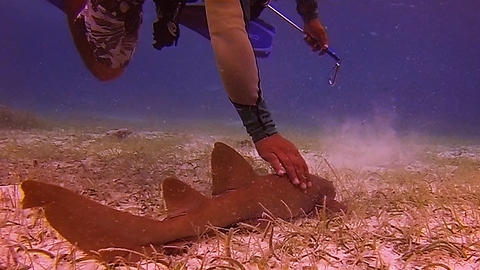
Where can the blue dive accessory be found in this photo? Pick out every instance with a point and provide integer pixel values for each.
(333, 74)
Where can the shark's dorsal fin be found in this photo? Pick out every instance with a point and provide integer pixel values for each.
(229, 169)
(180, 197)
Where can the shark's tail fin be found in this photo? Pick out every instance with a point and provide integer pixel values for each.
(37, 194)
(91, 226)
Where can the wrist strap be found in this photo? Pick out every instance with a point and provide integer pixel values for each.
(256, 119)
(308, 9)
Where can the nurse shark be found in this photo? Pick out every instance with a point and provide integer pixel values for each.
(238, 194)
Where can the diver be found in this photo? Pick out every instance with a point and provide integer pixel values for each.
(105, 33)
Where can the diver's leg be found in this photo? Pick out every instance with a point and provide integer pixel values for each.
(233, 51)
(106, 34)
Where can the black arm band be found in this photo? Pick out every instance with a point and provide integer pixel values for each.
(256, 119)
(308, 9)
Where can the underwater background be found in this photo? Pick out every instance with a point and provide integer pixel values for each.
(406, 65)
(398, 134)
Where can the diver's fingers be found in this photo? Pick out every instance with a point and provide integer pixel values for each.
(301, 168)
(289, 166)
(275, 163)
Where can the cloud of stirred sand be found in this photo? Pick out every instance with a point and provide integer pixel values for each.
(369, 144)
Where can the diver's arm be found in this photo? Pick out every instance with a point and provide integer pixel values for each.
(316, 34)
(239, 72)
(237, 66)
(233, 51)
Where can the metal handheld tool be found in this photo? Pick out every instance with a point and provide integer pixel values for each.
(333, 74)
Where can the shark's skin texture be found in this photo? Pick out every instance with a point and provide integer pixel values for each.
(239, 194)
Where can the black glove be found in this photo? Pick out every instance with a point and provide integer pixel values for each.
(256, 8)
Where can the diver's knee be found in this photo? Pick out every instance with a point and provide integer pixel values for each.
(107, 75)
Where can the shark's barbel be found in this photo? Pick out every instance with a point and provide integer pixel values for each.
(239, 194)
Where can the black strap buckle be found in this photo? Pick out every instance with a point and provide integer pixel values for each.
(166, 30)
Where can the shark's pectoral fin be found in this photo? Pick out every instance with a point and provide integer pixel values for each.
(180, 198)
(229, 169)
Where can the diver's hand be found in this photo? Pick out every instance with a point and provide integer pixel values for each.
(315, 35)
(284, 157)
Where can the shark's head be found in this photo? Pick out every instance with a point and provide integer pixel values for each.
(230, 171)
(326, 186)
(326, 194)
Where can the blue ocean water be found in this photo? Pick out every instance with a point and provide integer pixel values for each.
(414, 63)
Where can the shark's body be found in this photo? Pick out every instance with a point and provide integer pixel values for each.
(239, 194)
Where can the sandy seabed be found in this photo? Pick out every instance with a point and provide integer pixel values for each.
(413, 203)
